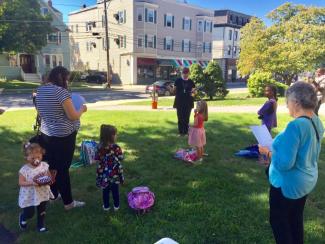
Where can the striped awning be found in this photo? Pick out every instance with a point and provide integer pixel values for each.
(203, 64)
(188, 62)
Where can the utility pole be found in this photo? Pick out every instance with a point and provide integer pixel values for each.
(107, 47)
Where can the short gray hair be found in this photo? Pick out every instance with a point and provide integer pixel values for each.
(303, 93)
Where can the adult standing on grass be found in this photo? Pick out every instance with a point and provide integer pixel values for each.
(319, 84)
(184, 101)
(59, 127)
(293, 170)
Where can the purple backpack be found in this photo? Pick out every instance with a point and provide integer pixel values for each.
(141, 198)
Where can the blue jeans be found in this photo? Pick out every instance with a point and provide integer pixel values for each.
(115, 192)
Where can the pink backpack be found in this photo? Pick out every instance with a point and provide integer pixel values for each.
(141, 198)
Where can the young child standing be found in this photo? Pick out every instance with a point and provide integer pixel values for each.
(109, 170)
(32, 194)
(197, 133)
(268, 111)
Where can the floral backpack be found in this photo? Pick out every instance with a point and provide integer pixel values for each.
(141, 198)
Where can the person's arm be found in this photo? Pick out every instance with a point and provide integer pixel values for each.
(24, 182)
(196, 121)
(71, 112)
(267, 108)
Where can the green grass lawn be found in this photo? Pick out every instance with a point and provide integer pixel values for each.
(11, 86)
(236, 99)
(223, 200)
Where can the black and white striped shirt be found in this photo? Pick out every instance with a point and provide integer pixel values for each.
(54, 121)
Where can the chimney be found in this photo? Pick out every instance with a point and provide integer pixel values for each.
(50, 3)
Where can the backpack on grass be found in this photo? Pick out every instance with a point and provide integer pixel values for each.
(88, 152)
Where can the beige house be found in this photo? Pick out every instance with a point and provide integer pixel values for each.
(148, 40)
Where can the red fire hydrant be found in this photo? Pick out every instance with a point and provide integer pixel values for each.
(154, 102)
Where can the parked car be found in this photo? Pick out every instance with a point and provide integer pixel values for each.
(163, 88)
(96, 77)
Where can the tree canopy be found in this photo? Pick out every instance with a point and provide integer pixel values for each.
(22, 26)
(293, 44)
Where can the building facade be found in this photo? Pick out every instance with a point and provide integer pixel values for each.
(149, 40)
(31, 67)
(226, 38)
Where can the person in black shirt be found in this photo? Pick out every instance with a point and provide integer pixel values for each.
(184, 101)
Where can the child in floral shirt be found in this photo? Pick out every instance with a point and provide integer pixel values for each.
(109, 170)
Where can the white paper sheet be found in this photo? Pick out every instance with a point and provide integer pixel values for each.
(262, 135)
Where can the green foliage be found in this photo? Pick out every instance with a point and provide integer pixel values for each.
(196, 74)
(281, 88)
(214, 84)
(22, 35)
(257, 83)
(293, 44)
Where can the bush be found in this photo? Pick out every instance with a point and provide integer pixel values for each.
(214, 85)
(257, 83)
(75, 76)
(196, 74)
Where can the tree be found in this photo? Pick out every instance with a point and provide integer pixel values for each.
(293, 44)
(196, 74)
(22, 27)
(214, 84)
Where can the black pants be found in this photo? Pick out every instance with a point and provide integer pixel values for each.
(286, 217)
(318, 106)
(28, 213)
(115, 192)
(59, 154)
(183, 115)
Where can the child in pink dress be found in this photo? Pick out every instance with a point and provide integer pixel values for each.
(197, 137)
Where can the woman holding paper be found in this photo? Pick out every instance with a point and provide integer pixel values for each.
(293, 170)
(59, 126)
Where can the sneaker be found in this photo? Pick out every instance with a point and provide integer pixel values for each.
(106, 209)
(42, 229)
(22, 223)
(116, 208)
(74, 204)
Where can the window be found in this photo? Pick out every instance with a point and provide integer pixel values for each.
(230, 18)
(208, 26)
(168, 43)
(121, 17)
(187, 24)
(150, 41)
(52, 38)
(54, 63)
(44, 11)
(103, 21)
(229, 50)
(236, 35)
(237, 20)
(71, 28)
(200, 26)
(235, 50)
(230, 35)
(151, 15)
(47, 60)
(207, 47)
(77, 47)
(186, 46)
(140, 41)
(169, 20)
(140, 14)
(60, 60)
(77, 29)
(89, 46)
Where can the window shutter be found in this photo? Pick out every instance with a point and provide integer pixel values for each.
(165, 19)
(210, 47)
(211, 27)
(59, 39)
(165, 43)
(146, 14)
(172, 45)
(173, 21)
(183, 23)
(155, 17)
(124, 16)
(154, 42)
(190, 24)
(189, 46)
(86, 26)
(146, 40)
(182, 45)
(205, 26)
(204, 47)
(124, 41)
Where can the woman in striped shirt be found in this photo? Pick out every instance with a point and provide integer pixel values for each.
(59, 126)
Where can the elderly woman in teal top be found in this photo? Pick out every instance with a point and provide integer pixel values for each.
(293, 170)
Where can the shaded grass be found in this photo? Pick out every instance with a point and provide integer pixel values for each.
(236, 99)
(223, 200)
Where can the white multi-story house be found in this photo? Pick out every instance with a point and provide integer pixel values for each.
(29, 66)
(226, 38)
(148, 39)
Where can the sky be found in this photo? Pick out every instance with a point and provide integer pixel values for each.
(257, 8)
